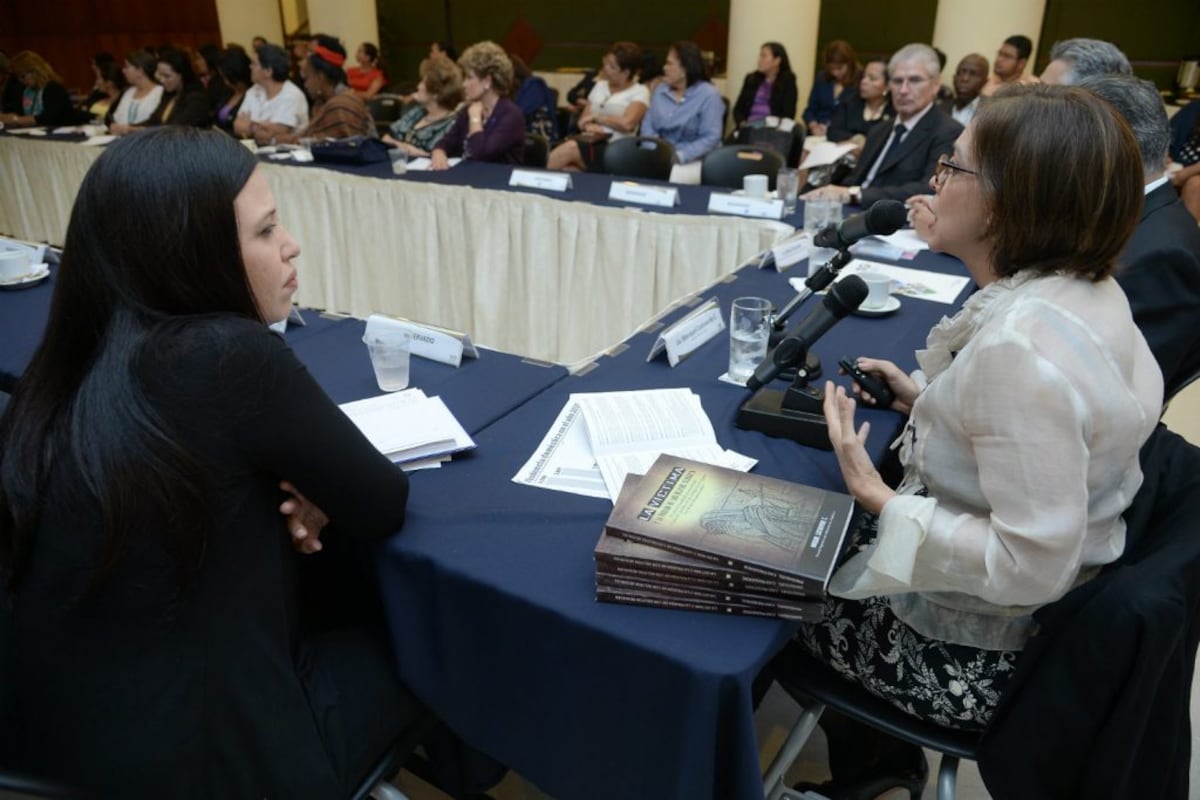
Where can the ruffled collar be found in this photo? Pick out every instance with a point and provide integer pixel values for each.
(951, 335)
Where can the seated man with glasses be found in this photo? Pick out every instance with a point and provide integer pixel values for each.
(899, 159)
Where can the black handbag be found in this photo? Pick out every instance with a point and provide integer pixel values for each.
(351, 150)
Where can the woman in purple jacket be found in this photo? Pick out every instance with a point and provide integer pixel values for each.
(491, 127)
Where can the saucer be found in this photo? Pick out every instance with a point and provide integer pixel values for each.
(890, 307)
(40, 273)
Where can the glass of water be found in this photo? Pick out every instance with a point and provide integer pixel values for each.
(749, 329)
(787, 184)
(819, 214)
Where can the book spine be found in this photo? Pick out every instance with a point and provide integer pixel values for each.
(709, 594)
(646, 569)
(621, 597)
(724, 562)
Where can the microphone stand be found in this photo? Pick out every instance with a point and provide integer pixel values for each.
(797, 412)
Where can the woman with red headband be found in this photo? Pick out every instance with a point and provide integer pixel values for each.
(337, 112)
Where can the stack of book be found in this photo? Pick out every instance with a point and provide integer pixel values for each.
(704, 538)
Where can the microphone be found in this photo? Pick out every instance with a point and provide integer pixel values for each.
(845, 296)
(881, 219)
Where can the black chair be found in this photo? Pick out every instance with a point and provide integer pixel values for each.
(375, 784)
(21, 787)
(537, 150)
(787, 143)
(385, 109)
(726, 166)
(640, 157)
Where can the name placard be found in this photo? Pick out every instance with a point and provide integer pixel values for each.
(630, 192)
(761, 208)
(437, 344)
(537, 179)
(792, 250)
(682, 338)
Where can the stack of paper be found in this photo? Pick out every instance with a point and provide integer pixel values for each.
(600, 437)
(415, 431)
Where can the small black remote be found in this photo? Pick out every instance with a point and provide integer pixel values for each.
(870, 384)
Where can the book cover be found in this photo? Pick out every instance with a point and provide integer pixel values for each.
(808, 610)
(760, 525)
(622, 557)
(626, 597)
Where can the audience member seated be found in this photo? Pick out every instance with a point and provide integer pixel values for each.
(179, 611)
(1073, 60)
(491, 127)
(109, 87)
(1009, 67)
(337, 112)
(97, 93)
(299, 52)
(11, 88)
(141, 98)
(899, 159)
(1025, 421)
(44, 99)
(215, 87)
(234, 69)
(969, 78)
(841, 72)
(535, 99)
(861, 110)
(184, 101)
(366, 78)
(439, 94)
(1160, 268)
(1185, 150)
(685, 109)
(613, 110)
(273, 106)
(444, 49)
(768, 91)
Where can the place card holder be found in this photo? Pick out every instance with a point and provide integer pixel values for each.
(544, 180)
(759, 208)
(643, 194)
(429, 341)
(683, 337)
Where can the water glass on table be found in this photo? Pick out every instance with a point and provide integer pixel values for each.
(819, 214)
(749, 329)
(399, 160)
(787, 184)
(390, 355)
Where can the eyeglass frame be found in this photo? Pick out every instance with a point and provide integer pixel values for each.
(945, 167)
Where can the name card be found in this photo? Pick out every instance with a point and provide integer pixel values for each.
(761, 208)
(683, 338)
(792, 250)
(630, 192)
(293, 318)
(437, 344)
(537, 179)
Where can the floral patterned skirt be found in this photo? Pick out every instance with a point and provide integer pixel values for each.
(955, 686)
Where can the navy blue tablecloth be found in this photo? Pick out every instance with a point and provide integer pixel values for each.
(489, 592)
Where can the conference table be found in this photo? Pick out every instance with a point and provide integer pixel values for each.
(553, 275)
(489, 588)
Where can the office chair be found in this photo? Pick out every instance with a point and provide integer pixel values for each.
(726, 166)
(537, 150)
(385, 109)
(640, 157)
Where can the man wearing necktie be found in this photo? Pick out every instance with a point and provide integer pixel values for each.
(899, 159)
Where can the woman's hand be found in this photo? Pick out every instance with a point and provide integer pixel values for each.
(817, 128)
(120, 129)
(904, 387)
(438, 160)
(862, 479)
(304, 520)
(921, 213)
(829, 192)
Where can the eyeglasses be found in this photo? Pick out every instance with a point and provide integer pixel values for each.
(914, 82)
(945, 166)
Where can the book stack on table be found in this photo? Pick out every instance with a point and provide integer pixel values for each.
(705, 538)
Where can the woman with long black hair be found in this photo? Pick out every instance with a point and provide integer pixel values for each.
(162, 461)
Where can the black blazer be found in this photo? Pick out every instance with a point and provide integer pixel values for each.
(1160, 273)
(907, 168)
(783, 96)
(57, 108)
(191, 108)
(847, 119)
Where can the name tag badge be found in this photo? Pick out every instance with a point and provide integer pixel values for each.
(538, 179)
(760, 208)
(437, 344)
(685, 336)
(643, 194)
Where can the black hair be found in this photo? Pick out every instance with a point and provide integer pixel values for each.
(780, 52)
(121, 283)
(178, 60)
(335, 74)
(235, 66)
(102, 58)
(275, 60)
(110, 71)
(1022, 44)
(143, 60)
(211, 55)
(690, 59)
(941, 58)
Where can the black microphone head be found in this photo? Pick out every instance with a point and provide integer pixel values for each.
(886, 217)
(846, 295)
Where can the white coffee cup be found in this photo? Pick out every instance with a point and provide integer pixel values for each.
(13, 264)
(754, 185)
(879, 289)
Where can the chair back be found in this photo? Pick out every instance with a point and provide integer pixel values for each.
(385, 109)
(726, 166)
(640, 157)
(537, 150)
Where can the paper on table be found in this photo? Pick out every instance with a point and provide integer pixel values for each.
(423, 163)
(563, 460)
(825, 153)
(935, 286)
(408, 426)
(100, 140)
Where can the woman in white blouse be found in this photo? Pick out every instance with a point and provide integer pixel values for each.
(1026, 417)
(141, 98)
(614, 110)
(273, 106)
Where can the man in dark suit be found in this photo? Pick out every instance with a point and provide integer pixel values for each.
(899, 159)
(1160, 268)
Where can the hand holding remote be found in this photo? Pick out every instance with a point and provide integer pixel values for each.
(874, 386)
